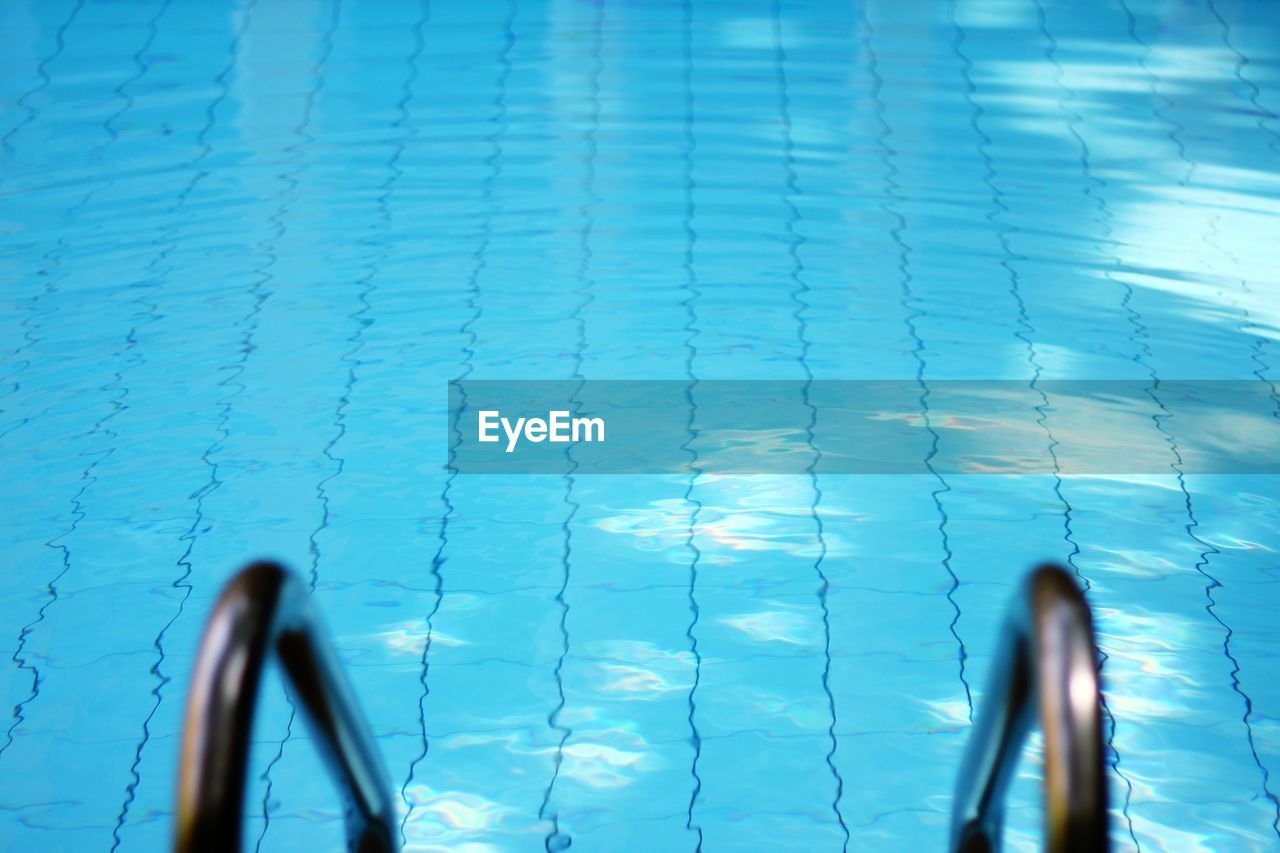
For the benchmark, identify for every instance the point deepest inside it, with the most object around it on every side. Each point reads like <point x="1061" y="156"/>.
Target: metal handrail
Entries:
<point x="1047" y="661"/>
<point x="266" y="609"/>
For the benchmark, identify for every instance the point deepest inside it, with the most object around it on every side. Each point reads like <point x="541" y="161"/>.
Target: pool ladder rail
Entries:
<point x="265" y="610"/>
<point x="1046" y="665"/>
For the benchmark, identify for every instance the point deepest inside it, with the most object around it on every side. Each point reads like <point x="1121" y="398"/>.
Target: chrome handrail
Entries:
<point x="265" y="609"/>
<point x="1046" y="661"/>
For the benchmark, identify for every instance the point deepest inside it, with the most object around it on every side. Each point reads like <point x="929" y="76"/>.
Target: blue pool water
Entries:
<point x="246" y="245"/>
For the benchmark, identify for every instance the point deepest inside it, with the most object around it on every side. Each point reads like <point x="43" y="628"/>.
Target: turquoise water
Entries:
<point x="246" y="246"/>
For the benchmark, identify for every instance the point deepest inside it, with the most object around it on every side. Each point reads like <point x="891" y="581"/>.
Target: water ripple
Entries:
<point x="799" y="296"/>
<point x="493" y="163"/>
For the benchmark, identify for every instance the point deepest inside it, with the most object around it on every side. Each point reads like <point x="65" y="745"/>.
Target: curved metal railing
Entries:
<point x="1047" y="663"/>
<point x="265" y="609"/>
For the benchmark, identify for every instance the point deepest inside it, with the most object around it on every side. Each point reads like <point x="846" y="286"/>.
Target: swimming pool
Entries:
<point x="246" y="247"/>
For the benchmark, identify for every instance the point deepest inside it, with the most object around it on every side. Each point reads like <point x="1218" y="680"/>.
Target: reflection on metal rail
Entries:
<point x="265" y="609"/>
<point x="1046" y="663"/>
